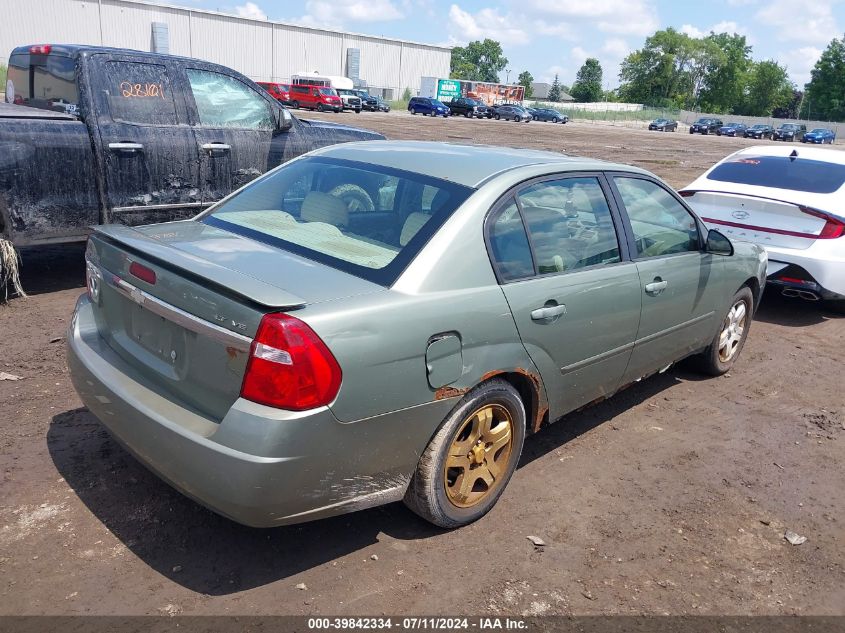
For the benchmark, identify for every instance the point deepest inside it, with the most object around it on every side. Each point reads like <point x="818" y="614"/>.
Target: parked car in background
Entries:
<point x="132" y="137"/>
<point x="705" y="126"/>
<point x="382" y="104"/>
<point x="368" y="102"/>
<point x="663" y="125"/>
<point x="792" y="202"/>
<point x="351" y="100"/>
<point x="760" y="130"/>
<point x="819" y="135"/>
<point x="531" y="111"/>
<point x="280" y="92"/>
<point x="549" y="114"/>
<point x="732" y="129"/>
<point x="469" y="108"/>
<point x="427" y="105"/>
<point x="320" y="98"/>
<point x="285" y="357"/>
<point x="512" y="113"/>
<point x="790" y="132"/>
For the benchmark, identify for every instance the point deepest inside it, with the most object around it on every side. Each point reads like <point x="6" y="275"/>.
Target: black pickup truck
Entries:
<point x="95" y="135"/>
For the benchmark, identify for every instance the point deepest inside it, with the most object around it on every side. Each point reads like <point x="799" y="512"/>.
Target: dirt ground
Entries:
<point x="671" y="498"/>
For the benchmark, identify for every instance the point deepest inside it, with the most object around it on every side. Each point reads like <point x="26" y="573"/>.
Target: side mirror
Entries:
<point x="718" y="244"/>
<point x="284" y="120"/>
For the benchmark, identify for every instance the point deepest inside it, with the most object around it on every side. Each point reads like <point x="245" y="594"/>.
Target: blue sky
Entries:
<point x="555" y="36"/>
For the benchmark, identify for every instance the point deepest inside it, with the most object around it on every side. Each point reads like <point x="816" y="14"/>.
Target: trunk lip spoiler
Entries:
<point x="736" y="194"/>
<point x="176" y="315"/>
<point x="227" y="280"/>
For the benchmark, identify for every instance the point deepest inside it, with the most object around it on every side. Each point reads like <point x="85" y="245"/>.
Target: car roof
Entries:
<point x="468" y="165"/>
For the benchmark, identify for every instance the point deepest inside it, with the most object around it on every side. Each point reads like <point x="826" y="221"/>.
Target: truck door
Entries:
<point x="146" y="142"/>
<point x="233" y="126"/>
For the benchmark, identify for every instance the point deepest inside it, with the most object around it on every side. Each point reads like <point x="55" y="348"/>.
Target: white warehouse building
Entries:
<point x="260" y="49"/>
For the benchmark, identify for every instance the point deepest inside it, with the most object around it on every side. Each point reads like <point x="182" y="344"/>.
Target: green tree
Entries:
<point x="587" y="87"/>
<point x="525" y="79"/>
<point x="792" y="108"/>
<point x="554" y="91"/>
<point x="3" y="76"/>
<point x="726" y="73"/>
<point x="661" y="73"/>
<point x="768" y="88"/>
<point x="478" y="61"/>
<point x="825" y="94"/>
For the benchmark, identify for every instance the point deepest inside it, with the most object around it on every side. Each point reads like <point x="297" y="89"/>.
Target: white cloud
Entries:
<point x="634" y="17"/>
<point x="800" y="63"/>
<point x="692" y="31"/>
<point x="616" y="48"/>
<point x="251" y="10"/>
<point x="813" y="24"/>
<point x="465" y="26"/>
<point x="725" y="26"/>
<point x="578" y="56"/>
<point x="334" y="14"/>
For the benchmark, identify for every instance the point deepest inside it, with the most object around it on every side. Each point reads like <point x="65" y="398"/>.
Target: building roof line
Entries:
<point x="152" y="3"/>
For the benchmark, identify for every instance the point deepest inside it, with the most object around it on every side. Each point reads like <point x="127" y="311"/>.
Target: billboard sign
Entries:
<point x="448" y="89"/>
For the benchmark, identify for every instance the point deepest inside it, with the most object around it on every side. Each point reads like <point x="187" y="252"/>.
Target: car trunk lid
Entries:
<point x="181" y="303"/>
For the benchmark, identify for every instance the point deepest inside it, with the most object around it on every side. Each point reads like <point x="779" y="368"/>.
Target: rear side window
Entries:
<point x="139" y="93"/>
<point x="47" y="82"/>
<point x="364" y="219"/>
<point x="781" y="172"/>
<point x="509" y="247"/>
<point x="223" y="101"/>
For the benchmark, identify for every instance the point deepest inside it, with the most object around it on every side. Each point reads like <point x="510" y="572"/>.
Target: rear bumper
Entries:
<point x="258" y="466"/>
<point x="823" y="262"/>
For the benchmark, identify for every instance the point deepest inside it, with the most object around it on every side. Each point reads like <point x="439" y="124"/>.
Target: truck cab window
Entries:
<point x="223" y="101"/>
<point x="139" y="93"/>
<point x="45" y="81"/>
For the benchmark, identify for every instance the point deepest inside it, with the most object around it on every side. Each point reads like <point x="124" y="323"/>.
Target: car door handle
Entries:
<point x="125" y="146"/>
<point x="211" y="147"/>
<point x="548" y="312"/>
<point x="656" y="287"/>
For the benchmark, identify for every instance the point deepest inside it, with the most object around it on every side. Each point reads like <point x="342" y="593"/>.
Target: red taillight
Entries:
<point x="43" y="49"/>
<point x="143" y="273"/>
<point x="289" y="366"/>
<point x="686" y="194"/>
<point x="833" y="227"/>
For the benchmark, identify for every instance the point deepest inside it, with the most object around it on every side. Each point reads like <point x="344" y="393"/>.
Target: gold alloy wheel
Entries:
<point x="732" y="330"/>
<point x="478" y="456"/>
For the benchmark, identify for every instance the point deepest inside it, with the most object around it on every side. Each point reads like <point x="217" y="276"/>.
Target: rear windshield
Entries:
<point x="360" y="218"/>
<point x="781" y="172"/>
<point x="40" y="81"/>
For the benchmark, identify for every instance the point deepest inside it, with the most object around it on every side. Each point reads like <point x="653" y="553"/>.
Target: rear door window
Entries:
<point x="781" y="172"/>
<point x="224" y="101"/>
<point x="139" y="93"/>
<point x="569" y="224"/>
<point x="41" y="81"/>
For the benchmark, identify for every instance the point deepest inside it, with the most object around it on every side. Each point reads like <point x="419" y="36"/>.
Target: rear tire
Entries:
<point x="498" y="117"/>
<point x="294" y="105"/>
<point x="469" y="461"/>
<point x="726" y="346"/>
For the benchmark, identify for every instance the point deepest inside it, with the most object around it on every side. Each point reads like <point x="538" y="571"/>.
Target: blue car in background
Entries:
<point x="732" y="129"/>
<point x="427" y="105"/>
<point x="820" y="135"/>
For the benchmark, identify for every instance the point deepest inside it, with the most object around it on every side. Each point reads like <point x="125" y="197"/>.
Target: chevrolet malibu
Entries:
<point x="386" y="321"/>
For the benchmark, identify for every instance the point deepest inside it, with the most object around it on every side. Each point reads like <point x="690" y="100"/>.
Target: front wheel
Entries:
<point x="469" y="461"/>
<point x="294" y="105"/>
<point x="414" y="112"/>
<point x="498" y="116"/>
<point x="729" y="341"/>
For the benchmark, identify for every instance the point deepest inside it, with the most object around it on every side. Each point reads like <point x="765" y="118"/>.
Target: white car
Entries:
<point x="790" y="201"/>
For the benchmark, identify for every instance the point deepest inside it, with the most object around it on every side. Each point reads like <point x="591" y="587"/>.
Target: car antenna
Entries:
<point x="793" y="155"/>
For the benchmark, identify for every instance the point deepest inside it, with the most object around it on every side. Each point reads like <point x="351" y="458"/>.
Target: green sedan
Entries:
<point x="385" y="321"/>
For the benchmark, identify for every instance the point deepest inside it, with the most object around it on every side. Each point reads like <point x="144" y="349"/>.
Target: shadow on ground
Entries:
<point x="216" y="556"/>
<point x="792" y="312"/>
<point x="52" y="268"/>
